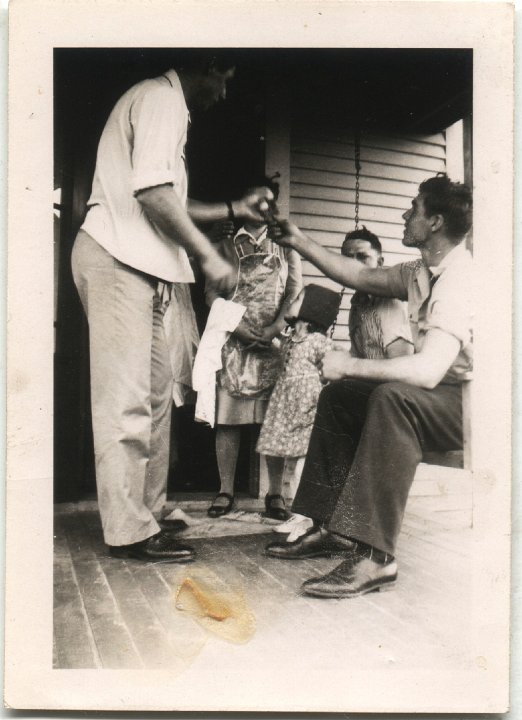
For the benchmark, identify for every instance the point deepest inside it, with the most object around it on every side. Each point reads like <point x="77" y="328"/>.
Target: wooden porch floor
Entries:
<point x="120" y="614"/>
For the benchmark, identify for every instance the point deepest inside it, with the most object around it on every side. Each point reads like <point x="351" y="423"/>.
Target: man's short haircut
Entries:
<point x="202" y="60"/>
<point x="452" y="200"/>
<point x="363" y="234"/>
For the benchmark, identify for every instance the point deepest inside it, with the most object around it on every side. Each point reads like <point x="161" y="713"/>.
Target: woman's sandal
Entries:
<point x="215" y="511"/>
<point x="273" y="508"/>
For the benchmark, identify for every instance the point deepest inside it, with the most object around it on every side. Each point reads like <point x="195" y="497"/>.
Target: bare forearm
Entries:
<point x="280" y="321"/>
<point x="343" y="270"/>
<point x="162" y="206"/>
<point x="410" y="369"/>
<point x="201" y="212"/>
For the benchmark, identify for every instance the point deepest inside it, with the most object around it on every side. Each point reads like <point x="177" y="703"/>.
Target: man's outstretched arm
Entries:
<point x="424" y="369"/>
<point x="343" y="270"/>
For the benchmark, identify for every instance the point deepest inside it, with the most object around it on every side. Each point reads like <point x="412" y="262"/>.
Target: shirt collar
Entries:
<point x="173" y="77"/>
<point x="252" y="239"/>
<point x="459" y="251"/>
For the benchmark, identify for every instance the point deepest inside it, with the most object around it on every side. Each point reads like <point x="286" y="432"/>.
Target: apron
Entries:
<point x="253" y="372"/>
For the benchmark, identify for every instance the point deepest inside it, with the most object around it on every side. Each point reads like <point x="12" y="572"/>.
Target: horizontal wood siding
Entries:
<point x="322" y="191"/>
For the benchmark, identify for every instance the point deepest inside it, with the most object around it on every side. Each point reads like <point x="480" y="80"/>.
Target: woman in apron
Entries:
<point x="268" y="280"/>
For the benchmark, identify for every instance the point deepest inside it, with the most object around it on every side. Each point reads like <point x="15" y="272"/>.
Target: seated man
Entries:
<point x="379" y="326"/>
<point x="376" y="417"/>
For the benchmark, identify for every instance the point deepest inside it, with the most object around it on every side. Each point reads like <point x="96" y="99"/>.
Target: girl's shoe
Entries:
<point x="295" y="521"/>
<point x="275" y="508"/>
<point x="215" y="511"/>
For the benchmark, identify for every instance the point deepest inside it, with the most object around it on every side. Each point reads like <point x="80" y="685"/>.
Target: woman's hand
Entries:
<point x="268" y="333"/>
<point x="222" y="230"/>
<point x="248" y="334"/>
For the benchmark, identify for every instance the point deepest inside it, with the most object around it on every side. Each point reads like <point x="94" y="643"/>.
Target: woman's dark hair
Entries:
<point x="452" y="200"/>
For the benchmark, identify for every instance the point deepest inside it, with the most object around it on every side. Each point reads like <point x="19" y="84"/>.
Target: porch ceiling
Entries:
<point x="401" y="90"/>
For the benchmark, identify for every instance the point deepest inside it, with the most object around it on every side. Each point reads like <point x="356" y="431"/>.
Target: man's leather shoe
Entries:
<point x="158" y="547"/>
<point x="315" y="542"/>
<point x="355" y="576"/>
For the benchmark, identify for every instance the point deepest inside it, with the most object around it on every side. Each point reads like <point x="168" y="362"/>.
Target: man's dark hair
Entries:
<point x="363" y="234"/>
<point x="452" y="200"/>
<point x="202" y="60"/>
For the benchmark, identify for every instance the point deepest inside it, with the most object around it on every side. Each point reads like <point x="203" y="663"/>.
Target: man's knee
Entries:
<point x="390" y="393"/>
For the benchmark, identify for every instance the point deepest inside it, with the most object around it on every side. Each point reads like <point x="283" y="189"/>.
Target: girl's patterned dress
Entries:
<point x="291" y="410"/>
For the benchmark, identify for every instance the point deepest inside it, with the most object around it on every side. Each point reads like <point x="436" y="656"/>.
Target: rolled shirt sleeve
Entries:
<point x="394" y="322"/>
<point x="399" y="279"/>
<point x="158" y="137"/>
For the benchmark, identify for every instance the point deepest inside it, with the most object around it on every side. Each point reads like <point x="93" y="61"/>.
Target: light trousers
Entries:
<point x="131" y="390"/>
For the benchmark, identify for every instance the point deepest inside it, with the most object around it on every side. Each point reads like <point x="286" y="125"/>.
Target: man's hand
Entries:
<point x="336" y="365"/>
<point x="247" y="334"/>
<point x="220" y="273"/>
<point x="285" y="233"/>
<point x="254" y="205"/>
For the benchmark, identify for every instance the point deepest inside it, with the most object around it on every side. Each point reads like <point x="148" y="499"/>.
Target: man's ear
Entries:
<point x="436" y="221"/>
<point x="380" y="261"/>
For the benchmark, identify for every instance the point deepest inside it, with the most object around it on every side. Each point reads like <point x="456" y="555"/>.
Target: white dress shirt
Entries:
<point x="142" y="146"/>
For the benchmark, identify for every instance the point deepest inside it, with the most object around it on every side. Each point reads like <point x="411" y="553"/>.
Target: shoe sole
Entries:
<point x="383" y="586"/>
<point x="318" y="553"/>
<point x="157" y="558"/>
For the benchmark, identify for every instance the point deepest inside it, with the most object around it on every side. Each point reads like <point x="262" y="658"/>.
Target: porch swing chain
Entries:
<point x="357" y="148"/>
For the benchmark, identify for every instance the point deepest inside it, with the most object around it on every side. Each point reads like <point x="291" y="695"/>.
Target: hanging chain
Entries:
<point x="357" y="147"/>
<point x="334" y="324"/>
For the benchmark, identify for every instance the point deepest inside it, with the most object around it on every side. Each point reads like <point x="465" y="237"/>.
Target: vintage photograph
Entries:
<point x="265" y="475"/>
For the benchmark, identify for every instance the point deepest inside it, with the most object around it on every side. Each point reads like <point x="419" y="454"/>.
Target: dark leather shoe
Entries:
<point x="215" y="511"/>
<point x="314" y="543"/>
<point x="355" y="576"/>
<point x="158" y="547"/>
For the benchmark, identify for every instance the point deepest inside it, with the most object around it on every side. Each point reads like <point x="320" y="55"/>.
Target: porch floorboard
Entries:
<point x="112" y="613"/>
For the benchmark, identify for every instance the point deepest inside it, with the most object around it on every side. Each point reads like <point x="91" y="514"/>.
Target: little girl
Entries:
<point x="290" y="414"/>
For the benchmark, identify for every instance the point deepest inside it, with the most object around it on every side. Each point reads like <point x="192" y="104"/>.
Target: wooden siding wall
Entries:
<point x="322" y="191"/>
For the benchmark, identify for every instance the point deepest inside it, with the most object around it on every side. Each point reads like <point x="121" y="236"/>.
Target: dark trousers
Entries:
<point x="367" y="441"/>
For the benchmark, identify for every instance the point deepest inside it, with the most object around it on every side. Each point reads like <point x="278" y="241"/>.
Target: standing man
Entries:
<point x="376" y="417"/>
<point x="135" y="241"/>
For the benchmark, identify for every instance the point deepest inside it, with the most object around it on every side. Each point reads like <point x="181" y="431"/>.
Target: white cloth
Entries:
<point x="182" y="335"/>
<point x="224" y="317"/>
<point x="142" y="146"/>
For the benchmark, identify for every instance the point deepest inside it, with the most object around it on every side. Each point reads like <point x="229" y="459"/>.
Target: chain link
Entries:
<point x="357" y="147"/>
<point x="334" y="324"/>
